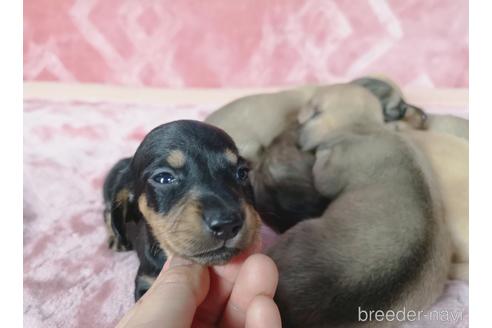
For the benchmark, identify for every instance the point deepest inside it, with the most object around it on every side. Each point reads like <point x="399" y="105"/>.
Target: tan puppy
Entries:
<point x="281" y="175"/>
<point x="448" y="156"/>
<point x="444" y="124"/>
<point x="335" y="107"/>
<point x="406" y="116"/>
<point x="397" y="111"/>
<point x="243" y="119"/>
<point x="381" y="244"/>
<point x="254" y="121"/>
<point x="449" y="160"/>
<point x="445" y="144"/>
<point x="448" y="124"/>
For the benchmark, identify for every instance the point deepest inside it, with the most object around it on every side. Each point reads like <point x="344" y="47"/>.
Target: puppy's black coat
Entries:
<point x="186" y="192"/>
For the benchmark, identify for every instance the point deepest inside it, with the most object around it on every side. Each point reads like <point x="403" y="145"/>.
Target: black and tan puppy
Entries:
<point x="186" y="192"/>
<point x="380" y="245"/>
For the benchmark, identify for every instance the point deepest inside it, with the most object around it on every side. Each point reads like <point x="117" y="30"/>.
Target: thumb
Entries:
<point x="173" y="298"/>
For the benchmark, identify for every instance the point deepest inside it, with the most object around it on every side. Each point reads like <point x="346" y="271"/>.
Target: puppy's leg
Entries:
<point x="118" y="226"/>
<point x="114" y="221"/>
<point x="112" y="240"/>
<point x="143" y="281"/>
<point x="315" y="287"/>
<point x="448" y="124"/>
<point x="328" y="184"/>
<point x="398" y="126"/>
<point x="329" y="174"/>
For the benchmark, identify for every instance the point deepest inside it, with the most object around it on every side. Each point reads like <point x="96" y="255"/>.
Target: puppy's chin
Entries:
<point x="223" y="252"/>
<point x="216" y="257"/>
<point x="215" y="252"/>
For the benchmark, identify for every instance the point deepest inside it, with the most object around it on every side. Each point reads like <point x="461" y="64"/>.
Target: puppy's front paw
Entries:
<point x="113" y="241"/>
<point x="327" y="172"/>
<point x="397" y="126"/>
<point x="308" y="139"/>
<point x="143" y="283"/>
<point x="116" y="245"/>
<point x="316" y="131"/>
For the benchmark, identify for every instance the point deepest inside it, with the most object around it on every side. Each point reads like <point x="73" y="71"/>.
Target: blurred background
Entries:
<point x="219" y="43"/>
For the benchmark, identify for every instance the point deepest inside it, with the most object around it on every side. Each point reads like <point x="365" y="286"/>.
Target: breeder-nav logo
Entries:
<point x="408" y="315"/>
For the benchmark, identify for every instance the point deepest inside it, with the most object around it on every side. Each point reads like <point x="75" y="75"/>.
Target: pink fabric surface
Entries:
<point x="194" y="43"/>
<point x="71" y="279"/>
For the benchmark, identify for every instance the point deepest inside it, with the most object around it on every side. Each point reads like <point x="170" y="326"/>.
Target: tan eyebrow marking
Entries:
<point x="231" y="157"/>
<point x="176" y="158"/>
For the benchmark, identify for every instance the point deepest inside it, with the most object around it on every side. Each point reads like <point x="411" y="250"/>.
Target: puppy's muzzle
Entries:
<point x="223" y="224"/>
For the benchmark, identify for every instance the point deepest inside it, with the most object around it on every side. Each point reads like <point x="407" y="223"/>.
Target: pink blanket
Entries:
<point x="71" y="279"/>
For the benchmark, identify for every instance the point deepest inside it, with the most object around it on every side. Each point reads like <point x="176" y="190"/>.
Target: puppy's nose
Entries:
<point x="224" y="228"/>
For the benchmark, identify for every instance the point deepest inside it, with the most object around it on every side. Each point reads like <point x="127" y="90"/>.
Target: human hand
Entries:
<point x="185" y="294"/>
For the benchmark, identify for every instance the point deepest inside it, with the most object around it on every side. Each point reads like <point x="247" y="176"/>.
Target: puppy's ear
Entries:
<point x="119" y="204"/>
<point x="416" y="117"/>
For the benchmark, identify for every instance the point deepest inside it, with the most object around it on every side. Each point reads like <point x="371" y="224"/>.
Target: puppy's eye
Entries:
<point x="164" y="178"/>
<point x="242" y="174"/>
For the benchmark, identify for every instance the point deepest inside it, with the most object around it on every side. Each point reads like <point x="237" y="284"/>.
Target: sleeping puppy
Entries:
<point x="448" y="124"/>
<point x="437" y="123"/>
<point x="186" y="192"/>
<point x="334" y="107"/>
<point x="282" y="181"/>
<point x="395" y="108"/>
<point x="282" y="174"/>
<point x="254" y="121"/>
<point x="448" y="156"/>
<point x="445" y="144"/>
<point x="404" y="116"/>
<point x="380" y="245"/>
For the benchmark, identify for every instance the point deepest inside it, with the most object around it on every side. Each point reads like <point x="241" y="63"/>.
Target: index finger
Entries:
<point x="258" y="276"/>
<point x="222" y="279"/>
